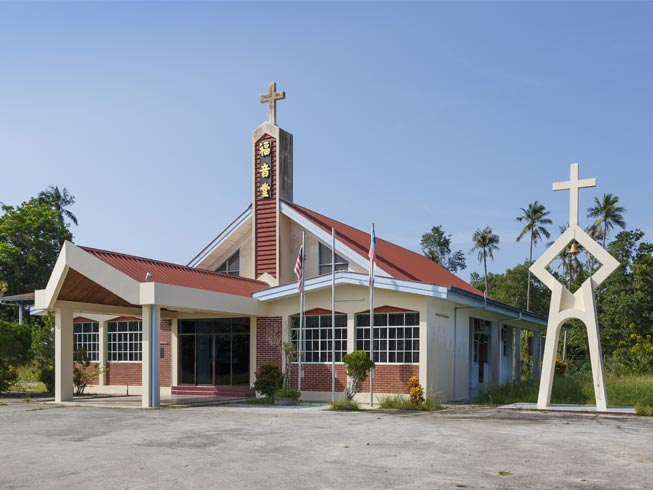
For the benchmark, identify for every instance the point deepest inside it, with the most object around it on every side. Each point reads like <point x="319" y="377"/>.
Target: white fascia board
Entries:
<point x="168" y="295"/>
<point x="324" y="236"/>
<point x="73" y="257"/>
<point x="354" y="278"/>
<point x="222" y="237"/>
<point x="511" y="312"/>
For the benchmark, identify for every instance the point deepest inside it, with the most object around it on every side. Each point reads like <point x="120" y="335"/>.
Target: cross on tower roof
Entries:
<point x="271" y="98"/>
<point x="573" y="184"/>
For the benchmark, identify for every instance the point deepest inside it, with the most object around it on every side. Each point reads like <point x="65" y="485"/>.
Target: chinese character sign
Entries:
<point x="264" y="152"/>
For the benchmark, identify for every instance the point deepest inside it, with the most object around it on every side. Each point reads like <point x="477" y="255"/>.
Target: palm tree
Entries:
<point x="59" y="201"/>
<point x="607" y="213"/>
<point x="486" y="243"/>
<point x="535" y="218"/>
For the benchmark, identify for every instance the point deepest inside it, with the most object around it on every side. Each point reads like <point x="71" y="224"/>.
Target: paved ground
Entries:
<point x="42" y="446"/>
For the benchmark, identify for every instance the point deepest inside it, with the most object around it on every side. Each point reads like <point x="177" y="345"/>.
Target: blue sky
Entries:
<point x="408" y="115"/>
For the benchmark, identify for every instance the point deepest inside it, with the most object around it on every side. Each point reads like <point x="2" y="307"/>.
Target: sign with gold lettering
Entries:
<point x="264" y="151"/>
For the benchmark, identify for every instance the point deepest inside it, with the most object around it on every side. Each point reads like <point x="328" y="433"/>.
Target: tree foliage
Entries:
<point x="358" y="365"/>
<point x="607" y="214"/>
<point x="15" y="343"/>
<point x="31" y="236"/>
<point x="511" y="287"/>
<point x="436" y="245"/>
<point x="43" y="349"/>
<point x="59" y="200"/>
<point x="485" y="243"/>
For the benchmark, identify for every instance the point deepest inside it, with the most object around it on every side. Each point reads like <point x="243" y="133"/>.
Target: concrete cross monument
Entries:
<point x="566" y="305"/>
<point x="271" y="99"/>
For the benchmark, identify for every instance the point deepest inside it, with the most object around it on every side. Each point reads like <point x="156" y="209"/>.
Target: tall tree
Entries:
<point x="31" y="236"/>
<point x="534" y="217"/>
<point x="437" y="247"/>
<point x="59" y="200"/>
<point x="485" y="242"/>
<point x="607" y="213"/>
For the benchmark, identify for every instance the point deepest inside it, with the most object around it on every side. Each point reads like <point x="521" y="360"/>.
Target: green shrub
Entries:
<point x="398" y="402"/>
<point x="287" y="393"/>
<point x="15" y="343"/>
<point x="358" y="365"/>
<point x="269" y="379"/>
<point x="83" y="371"/>
<point x="263" y="400"/>
<point x="43" y="349"/>
<point x="345" y="405"/>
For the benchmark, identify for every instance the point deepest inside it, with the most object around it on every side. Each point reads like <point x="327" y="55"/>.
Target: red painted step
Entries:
<point x="235" y="391"/>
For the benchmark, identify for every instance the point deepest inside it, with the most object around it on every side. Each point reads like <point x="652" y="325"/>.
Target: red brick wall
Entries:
<point x="123" y="373"/>
<point x="389" y="378"/>
<point x="265" y="215"/>
<point x="317" y="377"/>
<point x="267" y="328"/>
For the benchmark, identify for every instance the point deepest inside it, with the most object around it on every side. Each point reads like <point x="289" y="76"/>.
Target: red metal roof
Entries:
<point x="18" y="297"/>
<point x="178" y="275"/>
<point x="400" y="262"/>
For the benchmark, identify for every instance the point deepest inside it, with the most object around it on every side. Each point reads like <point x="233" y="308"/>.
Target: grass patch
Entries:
<point x="264" y="400"/>
<point x="345" y="406"/>
<point x="504" y="473"/>
<point x="2" y="404"/>
<point x="577" y="389"/>
<point x="644" y="410"/>
<point x="398" y="402"/>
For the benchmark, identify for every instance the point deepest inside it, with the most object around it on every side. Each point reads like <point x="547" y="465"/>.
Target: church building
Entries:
<point x="206" y="327"/>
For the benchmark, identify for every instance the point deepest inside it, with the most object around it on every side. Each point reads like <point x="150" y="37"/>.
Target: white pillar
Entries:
<point x="174" y="339"/>
<point x="146" y="353"/>
<point x="150" y="384"/>
<point x="63" y="349"/>
<point x="495" y="353"/>
<point x="102" y="352"/>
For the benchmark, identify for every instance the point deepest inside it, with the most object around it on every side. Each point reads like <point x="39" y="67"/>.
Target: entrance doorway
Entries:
<point x="214" y="352"/>
<point x="480" y="331"/>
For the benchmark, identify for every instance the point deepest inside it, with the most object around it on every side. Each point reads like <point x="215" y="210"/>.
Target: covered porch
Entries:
<point x="95" y="282"/>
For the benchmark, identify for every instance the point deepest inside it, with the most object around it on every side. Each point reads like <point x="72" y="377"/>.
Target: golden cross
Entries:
<point x="573" y="184"/>
<point x="271" y="98"/>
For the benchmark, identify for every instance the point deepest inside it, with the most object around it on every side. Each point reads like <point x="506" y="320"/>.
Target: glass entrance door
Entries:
<point x="214" y="352"/>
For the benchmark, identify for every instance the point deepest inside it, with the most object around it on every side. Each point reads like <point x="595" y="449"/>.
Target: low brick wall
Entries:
<point x="124" y="373"/>
<point x="317" y="377"/>
<point x="391" y="378"/>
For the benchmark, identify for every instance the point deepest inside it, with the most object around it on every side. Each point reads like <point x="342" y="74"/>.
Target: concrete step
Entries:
<point x="235" y="391"/>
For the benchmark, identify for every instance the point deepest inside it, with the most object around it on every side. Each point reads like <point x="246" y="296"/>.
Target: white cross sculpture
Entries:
<point x="565" y="304"/>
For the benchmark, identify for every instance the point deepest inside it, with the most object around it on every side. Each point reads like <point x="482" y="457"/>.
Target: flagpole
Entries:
<point x="333" y="314"/>
<point x="372" y="321"/>
<point x="301" y="345"/>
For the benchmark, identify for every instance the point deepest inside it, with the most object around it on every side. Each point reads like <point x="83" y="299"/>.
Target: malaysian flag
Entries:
<point x="299" y="269"/>
<point x="372" y="256"/>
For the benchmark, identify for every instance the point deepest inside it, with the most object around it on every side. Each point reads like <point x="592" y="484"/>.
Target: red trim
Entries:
<point x="125" y="319"/>
<point x="83" y="319"/>
<point x="318" y="311"/>
<point x="387" y="309"/>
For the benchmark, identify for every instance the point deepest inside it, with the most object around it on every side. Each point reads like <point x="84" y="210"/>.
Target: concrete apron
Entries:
<point x="570" y="409"/>
<point x="134" y="401"/>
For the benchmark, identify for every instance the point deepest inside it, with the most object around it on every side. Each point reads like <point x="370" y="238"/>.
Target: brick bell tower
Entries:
<point x="273" y="180"/>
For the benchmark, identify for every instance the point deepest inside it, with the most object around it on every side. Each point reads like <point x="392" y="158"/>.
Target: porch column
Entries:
<point x="63" y="354"/>
<point x="102" y="352"/>
<point x="517" y="348"/>
<point x="150" y="385"/>
<point x="537" y="354"/>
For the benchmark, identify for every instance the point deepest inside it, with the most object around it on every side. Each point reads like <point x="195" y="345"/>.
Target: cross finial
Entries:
<point x="573" y="184"/>
<point x="271" y="98"/>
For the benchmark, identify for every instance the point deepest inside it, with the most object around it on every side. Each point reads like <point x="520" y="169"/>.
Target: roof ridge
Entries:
<point x="171" y="264"/>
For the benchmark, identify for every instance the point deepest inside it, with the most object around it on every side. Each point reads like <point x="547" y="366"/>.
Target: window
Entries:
<point x="86" y="336"/>
<point x="505" y="339"/>
<point x="325" y="261"/>
<point x="481" y="339"/>
<point x="231" y="265"/>
<point x="396" y="337"/>
<point x="124" y="341"/>
<point x="317" y="336"/>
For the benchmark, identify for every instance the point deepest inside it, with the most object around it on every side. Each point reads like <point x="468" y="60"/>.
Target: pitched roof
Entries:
<point x="400" y="262"/>
<point x="177" y="275"/>
<point x="18" y="297"/>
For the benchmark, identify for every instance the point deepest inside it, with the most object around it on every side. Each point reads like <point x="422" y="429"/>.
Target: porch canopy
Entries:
<point x="86" y="280"/>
